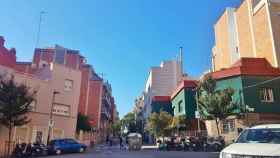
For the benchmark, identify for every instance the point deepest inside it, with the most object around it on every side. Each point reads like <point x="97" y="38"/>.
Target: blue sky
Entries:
<point x="120" y="38"/>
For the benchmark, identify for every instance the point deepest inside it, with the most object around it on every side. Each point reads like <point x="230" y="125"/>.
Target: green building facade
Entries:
<point x="162" y="103"/>
<point x="183" y="100"/>
<point x="260" y="93"/>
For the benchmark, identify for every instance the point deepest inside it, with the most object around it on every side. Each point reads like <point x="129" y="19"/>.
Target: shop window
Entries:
<point x="68" y="85"/>
<point x="266" y="95"/>
<point x="228" y="126"/>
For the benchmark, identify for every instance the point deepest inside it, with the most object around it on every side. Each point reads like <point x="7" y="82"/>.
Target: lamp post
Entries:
<point x="51" y="123"/>
<point x="197" y="111"/>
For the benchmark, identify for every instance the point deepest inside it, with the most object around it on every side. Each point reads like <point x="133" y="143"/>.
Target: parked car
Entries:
<point x="59" y="146"/>
<point x="257" y="141"/>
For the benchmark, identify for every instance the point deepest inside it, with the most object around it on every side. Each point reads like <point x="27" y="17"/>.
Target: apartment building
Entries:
<point x="250" y="30"/>
<point x="52" y="81"/>
<point x="162" y="81"/>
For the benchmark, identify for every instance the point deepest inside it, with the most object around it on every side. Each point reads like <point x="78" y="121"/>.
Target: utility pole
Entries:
<point x="197" y="111"/>
<point x="51" y="122"/>
<point x="39" y="28"/>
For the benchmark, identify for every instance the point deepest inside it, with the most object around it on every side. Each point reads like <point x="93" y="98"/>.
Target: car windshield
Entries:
<point x="271" y="136"/>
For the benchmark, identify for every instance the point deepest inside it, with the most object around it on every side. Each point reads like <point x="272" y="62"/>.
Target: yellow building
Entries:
<point x="251" y="30"/>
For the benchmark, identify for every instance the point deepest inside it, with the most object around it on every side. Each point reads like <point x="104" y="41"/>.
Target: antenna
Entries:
<point x="39" y="28"/>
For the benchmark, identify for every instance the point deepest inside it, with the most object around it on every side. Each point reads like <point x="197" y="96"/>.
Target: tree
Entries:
<point x="83" y="123"/>
<point x="181" y="122"/>
<point x="160" y="124"/>
<point x="214" y="104"/>
<point x="129" y="122"/>
<point x="15" y="104"/>
<point x="116" y="127"/>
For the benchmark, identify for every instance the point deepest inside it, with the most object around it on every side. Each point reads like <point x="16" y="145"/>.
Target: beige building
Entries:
<point x="44" y="80"/>
<point x="65" y="107"/>
<point x="251" y="30"/>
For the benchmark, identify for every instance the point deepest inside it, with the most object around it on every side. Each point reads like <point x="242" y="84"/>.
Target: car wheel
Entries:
<point x="82" y="150"/>
<point x="58" y="152"/>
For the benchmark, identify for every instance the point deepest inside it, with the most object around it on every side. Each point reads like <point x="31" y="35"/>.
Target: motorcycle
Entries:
<point x="24" y="150"/>
<point x="214" y="144"/>
<point x="196" y="144"/>
<point x="39" y="150"/>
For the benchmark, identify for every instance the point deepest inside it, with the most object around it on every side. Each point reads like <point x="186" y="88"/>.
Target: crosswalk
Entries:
<point x="107" y="149"/>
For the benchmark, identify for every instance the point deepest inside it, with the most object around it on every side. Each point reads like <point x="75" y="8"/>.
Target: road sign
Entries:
<point x="197" y="115"/>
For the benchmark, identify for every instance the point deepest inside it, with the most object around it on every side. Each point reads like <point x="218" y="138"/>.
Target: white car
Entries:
<point x="261" y="141"/>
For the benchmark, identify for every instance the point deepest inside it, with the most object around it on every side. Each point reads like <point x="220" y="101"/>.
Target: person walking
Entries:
<point x="121" y="142"/>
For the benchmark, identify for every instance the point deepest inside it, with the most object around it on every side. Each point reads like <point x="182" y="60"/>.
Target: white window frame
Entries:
<point x="58" y="111"/>
<point x="68" y="88"/>
<point x="267" y="95"/>
<point x="228" y="126"/>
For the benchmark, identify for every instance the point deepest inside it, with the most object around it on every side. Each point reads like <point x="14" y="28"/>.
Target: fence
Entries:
<point x="194" y="133"/>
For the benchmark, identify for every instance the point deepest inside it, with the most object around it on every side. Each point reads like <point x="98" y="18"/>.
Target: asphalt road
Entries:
<point x="107" y="152"/>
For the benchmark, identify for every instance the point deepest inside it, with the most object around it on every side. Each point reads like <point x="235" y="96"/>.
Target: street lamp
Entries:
<point x="51" y="123"/>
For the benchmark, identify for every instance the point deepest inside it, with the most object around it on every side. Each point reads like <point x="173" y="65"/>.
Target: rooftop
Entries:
<point x="184" y="84"/>
<point x="248" y="66"/>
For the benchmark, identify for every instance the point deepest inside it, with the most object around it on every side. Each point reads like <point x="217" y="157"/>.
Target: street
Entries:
<point x="115" y="152"/>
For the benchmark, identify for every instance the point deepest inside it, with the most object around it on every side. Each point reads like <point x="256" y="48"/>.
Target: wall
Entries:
<point x="187" y="97"/>
<point x="243" y="17"/>
<point x="263" y="38"/>
<point x="274" y="9"/>
<point x="166" y="106"/>
<point x="252" y="96"/>
<point x="222" y="43"/>
<point x="64" y="126"/>
<point x="95" y="96"/>
<point x="161" y="82"/>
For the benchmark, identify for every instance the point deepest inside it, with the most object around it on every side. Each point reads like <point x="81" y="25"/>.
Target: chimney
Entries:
<point x="2" y="41"/>
<point x="13" y="51"/>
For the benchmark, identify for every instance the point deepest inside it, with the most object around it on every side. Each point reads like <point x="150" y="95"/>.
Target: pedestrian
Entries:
<point x="107" y="139"/>
<point x="121" y="142"/>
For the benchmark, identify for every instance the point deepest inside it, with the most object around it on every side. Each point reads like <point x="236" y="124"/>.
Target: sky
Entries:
<point x="121" y="39"/>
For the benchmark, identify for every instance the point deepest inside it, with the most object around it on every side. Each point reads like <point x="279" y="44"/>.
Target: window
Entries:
<point x="33" y="105"/>
<point x="255" y="3"/>
<point x="68" y="85"/>
<point x="266" y="95"/>
<point x="228" y="126"/>
<point x="180" y="106"/>
<point x="236" y="50"/>
<point x="61" y="110"/>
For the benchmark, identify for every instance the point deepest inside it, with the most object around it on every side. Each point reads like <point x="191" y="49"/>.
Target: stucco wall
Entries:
<point x="187" y="97"/>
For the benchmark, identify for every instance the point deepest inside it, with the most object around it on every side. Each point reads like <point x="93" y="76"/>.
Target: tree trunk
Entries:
<point x="9" y="142"/>
<point x="217" y="125"/>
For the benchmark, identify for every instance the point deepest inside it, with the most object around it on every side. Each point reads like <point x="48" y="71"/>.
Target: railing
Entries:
<point x="194" y="133"/>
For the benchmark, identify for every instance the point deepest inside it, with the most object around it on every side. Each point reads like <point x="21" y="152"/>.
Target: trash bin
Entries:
<point x="134" y="141"/>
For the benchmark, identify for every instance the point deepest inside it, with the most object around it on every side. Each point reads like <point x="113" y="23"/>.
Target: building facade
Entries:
<point x="256" y="85"/>
<point x="162" y="81"/>
<point x="162" y="103"/>
<point x="250" y="30"/>
<point x="45" y="77"/>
